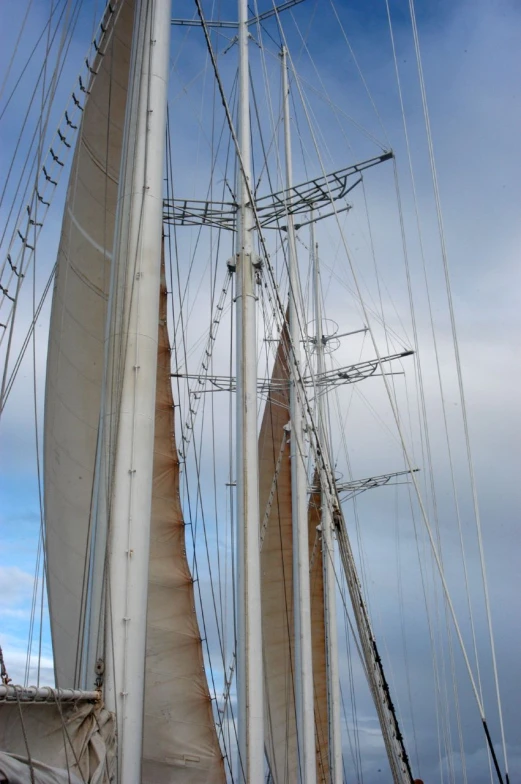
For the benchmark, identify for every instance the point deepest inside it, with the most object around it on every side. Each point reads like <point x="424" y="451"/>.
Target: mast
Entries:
<point x="333" y="678"/>
<point x="301" y="590"/>
<point x="250" y="681"/>
<point x="137" y="260"/>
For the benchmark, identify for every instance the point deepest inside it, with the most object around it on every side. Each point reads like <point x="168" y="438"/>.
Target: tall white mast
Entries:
<point x="250" y="683"/>
<point x="137" y="258"/>
<point x="301" y="590"/>
<point x="333" y="680"/>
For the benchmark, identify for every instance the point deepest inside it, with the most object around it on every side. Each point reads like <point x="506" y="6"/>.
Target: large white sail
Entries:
<point x="179" y="730"/>
<point x="277" y="589"/>
<point x="76" y="341"/>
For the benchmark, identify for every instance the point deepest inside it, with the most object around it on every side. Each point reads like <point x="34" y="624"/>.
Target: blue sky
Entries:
<point x="472" y="71"/>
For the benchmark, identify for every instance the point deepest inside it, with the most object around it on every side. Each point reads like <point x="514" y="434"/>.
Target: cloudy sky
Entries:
<point x="472" y="74"/>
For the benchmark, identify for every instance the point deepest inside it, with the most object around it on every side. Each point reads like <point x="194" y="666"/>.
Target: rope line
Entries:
<point x="448" y="287"/>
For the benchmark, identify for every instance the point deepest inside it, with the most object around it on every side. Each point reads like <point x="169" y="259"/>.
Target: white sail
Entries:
<point x="76" y="342"/>
<point x="180" y="740"/>
<point x="179" y="732"/>
<point x="277" y="589"/>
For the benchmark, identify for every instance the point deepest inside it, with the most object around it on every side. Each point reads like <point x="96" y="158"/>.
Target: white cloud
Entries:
<point x="15" y="657"/>
<point x="16" y="592"/>
<point x="16" y="586"/>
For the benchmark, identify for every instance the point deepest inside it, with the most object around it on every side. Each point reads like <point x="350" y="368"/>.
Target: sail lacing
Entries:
<point x="44" y="173"/>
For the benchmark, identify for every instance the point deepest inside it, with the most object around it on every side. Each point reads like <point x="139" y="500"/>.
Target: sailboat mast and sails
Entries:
<point x="146" y="608"/>
<point x="127" y="645"/>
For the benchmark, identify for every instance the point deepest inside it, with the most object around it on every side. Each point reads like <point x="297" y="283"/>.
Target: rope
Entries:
<point x="459" y="372"/>
<point x="419" y="370"/>
<point x="397" y="753"/>
<point x="196" y="509"/>
<point x="427" y="445"/>
<point x="15" y="49"/>
<point x="42" y="127"/>
<point x="47" y="176"/>
<point x="24" y="733"/>
<point x="402" y="626"/>
<point x="346" y="39"/>
<point x="402" y="440"/>
<point x="67" y="737"/>
<point x="27" y="251"/>
<point x="49" y="169"/>
<point x="422" y="507"/>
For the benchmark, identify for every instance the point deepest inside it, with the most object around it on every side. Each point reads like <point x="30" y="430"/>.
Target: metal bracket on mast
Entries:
<point x="193" y="212"/>
<point x="351" y="373"/>
<point x="347" y="490"/>
<point x="254" y="19"/>
<point x="325" y="339"/>
<point x="346" y="375"/>
<point x="315" y="194"/>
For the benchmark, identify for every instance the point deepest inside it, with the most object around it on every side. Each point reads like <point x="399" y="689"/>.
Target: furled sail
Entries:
<point x="316" y="582"/>
<point x="180" y="740"/>
<point x="56" y="744"/>
<point x="76" y="340"/>
<point x="277" y="588"/>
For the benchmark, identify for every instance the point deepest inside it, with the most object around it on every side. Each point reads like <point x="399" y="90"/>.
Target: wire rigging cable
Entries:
<point x="435" y="343"/>
<point x="405" y="448"/>
<point x="212" y="558"/>
<point x="477" y="514"/>
<point x="23" y="225"/>
<point x="199" y="515"/>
